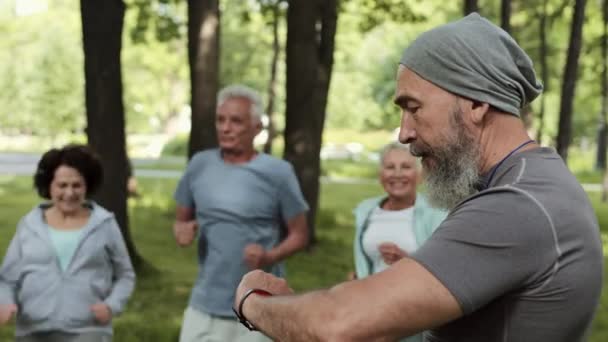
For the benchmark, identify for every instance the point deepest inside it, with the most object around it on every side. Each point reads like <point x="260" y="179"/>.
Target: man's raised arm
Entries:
<point x="400" y="301"/>
<point x="184" y="226"/>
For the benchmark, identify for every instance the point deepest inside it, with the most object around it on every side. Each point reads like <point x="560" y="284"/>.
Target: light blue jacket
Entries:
<point x="52" y="299"/>
<point x="426" y="220"/>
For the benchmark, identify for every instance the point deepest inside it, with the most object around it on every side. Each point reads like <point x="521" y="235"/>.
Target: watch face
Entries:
<point x="239" y="312"/>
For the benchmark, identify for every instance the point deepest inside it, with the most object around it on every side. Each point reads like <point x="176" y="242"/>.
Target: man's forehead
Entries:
<point x="411" y="86"/>
<point x="237" y="101"/>
<point x="409" y="79"/>
<point x="235" y="106"/>
<point x="406" y="84"/>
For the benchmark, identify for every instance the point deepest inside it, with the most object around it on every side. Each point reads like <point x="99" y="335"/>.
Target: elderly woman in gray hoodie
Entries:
<point x="67" y="271"/>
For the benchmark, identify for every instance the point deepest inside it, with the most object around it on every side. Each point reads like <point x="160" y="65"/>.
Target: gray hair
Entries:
<point x="239" y="90"/>
<point x="396" y="146"/>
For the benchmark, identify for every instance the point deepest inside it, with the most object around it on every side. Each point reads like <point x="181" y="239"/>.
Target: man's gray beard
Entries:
<point x="455" y="170"/>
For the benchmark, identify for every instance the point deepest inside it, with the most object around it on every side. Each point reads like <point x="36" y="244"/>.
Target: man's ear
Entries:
<point x="478" y="111"/>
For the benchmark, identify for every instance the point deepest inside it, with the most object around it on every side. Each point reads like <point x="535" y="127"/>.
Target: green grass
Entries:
<point x="172" y="164"/>
<point x="154" y="312"/>
<point x="333" y="168"/>
<point x="599" y="331"/>
<point x="581" y="163"/>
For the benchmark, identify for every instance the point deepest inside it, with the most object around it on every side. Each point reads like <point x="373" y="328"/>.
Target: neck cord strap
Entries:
<point x="505" y="158"/>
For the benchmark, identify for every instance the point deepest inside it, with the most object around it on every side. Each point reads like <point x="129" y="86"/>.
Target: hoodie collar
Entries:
<point x="35" y="218"/>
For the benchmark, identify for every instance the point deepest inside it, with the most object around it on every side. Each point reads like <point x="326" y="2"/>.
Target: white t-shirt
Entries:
<point x="394" y="226"/>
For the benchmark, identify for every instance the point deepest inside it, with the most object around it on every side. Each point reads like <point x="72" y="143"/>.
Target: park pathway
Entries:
<point x="24" y="164"/>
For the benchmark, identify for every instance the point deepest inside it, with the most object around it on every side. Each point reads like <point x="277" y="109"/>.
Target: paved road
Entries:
<point x="25" y="164"/>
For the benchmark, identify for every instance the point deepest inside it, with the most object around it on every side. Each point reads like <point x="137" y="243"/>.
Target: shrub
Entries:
<point x="177" y="146"/>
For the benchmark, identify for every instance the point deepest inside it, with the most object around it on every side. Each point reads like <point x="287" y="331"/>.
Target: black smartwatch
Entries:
<point x="239" y="311"/>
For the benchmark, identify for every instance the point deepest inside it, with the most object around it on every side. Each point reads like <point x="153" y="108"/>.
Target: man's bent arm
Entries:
<point x="297" y="239"/>
<point x="183" y="214"/>
<point x="184" y="226"/>
<point x="403" y="300"/>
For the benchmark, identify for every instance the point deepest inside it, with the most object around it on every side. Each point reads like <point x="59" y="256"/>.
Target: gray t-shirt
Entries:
<point x="522" y="257"/>
<point x="235" y="205"/>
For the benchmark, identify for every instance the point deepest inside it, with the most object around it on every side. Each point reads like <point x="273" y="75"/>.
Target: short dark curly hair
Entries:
<point x="79" y="157"/>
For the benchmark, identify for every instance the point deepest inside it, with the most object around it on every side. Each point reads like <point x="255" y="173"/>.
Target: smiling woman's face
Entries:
<point x="399" y="174"/>
<point x="68" y="189"/>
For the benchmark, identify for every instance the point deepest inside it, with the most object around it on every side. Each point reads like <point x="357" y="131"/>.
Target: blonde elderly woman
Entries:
<point x="391" y="226"/>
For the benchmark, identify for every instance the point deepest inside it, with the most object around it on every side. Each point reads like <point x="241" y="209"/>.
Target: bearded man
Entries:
<point x="519" y="257"/>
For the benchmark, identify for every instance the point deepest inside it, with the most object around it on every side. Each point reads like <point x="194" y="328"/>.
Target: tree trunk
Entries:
<point x="505" y="15"/>
<point x="544" y="73"/>
<point x="273" y="78"/>
<point x="203" y="57"/>
<point x="470" y="6"/>
<point x="102" y="23"/>
<point x="564" y="135"/>
<point x="311" y="28"/>
<point x="602" y="138"/>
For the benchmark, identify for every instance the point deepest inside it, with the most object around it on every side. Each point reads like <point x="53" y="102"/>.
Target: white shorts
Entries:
<point x="202" y="327"/>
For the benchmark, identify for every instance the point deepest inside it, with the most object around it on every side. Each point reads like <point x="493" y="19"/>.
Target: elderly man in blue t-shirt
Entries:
<point x="234" y="200"/>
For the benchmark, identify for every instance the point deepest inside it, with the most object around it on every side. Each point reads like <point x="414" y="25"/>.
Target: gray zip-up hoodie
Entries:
<point x="49" y="298"/>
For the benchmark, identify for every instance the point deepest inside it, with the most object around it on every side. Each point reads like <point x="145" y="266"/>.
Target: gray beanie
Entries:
<point x="475" y="59"/>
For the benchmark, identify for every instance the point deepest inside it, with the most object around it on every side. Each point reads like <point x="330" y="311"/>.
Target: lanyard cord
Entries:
<point x="505" y="158"/>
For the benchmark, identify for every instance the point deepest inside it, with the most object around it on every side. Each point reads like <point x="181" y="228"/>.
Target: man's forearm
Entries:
<point x="292" y="244"/>
<point x="290" y="318"/>
<point x="351" y="311"/>
<point x="401" y="301"/>
<point x="184" y="232"/>
<point x="324" y="315"/>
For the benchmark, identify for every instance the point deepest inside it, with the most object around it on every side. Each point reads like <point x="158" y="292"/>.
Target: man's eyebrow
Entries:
<point x="402" y="100"/>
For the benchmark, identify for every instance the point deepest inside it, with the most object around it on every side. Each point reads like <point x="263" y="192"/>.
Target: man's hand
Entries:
<point x="185" y="232"/>
<point x="7" y="311"/>
<point x="391" y="253"/>
<point x="258" y="279"/>
<point x="102" y="312"/>
<point x="256" y="257"/>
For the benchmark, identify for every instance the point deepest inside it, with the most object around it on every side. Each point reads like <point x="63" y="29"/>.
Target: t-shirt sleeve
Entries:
<point x="291" y="199"/>
<point x="488" y="246"/>
<point x="183" y="193"/>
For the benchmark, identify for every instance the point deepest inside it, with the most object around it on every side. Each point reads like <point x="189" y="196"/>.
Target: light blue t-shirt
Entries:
<point x="235" y="205"/>
<point x="65" y="243"/>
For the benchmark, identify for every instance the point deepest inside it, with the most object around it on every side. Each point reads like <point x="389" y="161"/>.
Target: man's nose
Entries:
<point x="407" y="132"/>
<point x="224" y="126"/>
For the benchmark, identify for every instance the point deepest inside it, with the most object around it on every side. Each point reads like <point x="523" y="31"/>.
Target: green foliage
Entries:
<point x="41" y="72"/>
<point x="155" y="57"/>
<point x="154" y="64"/>
<point x="366" y="58"/>
<point x="161" y="20"/>
<point x="376" y="12"/>
<point x="246" y="47"/>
